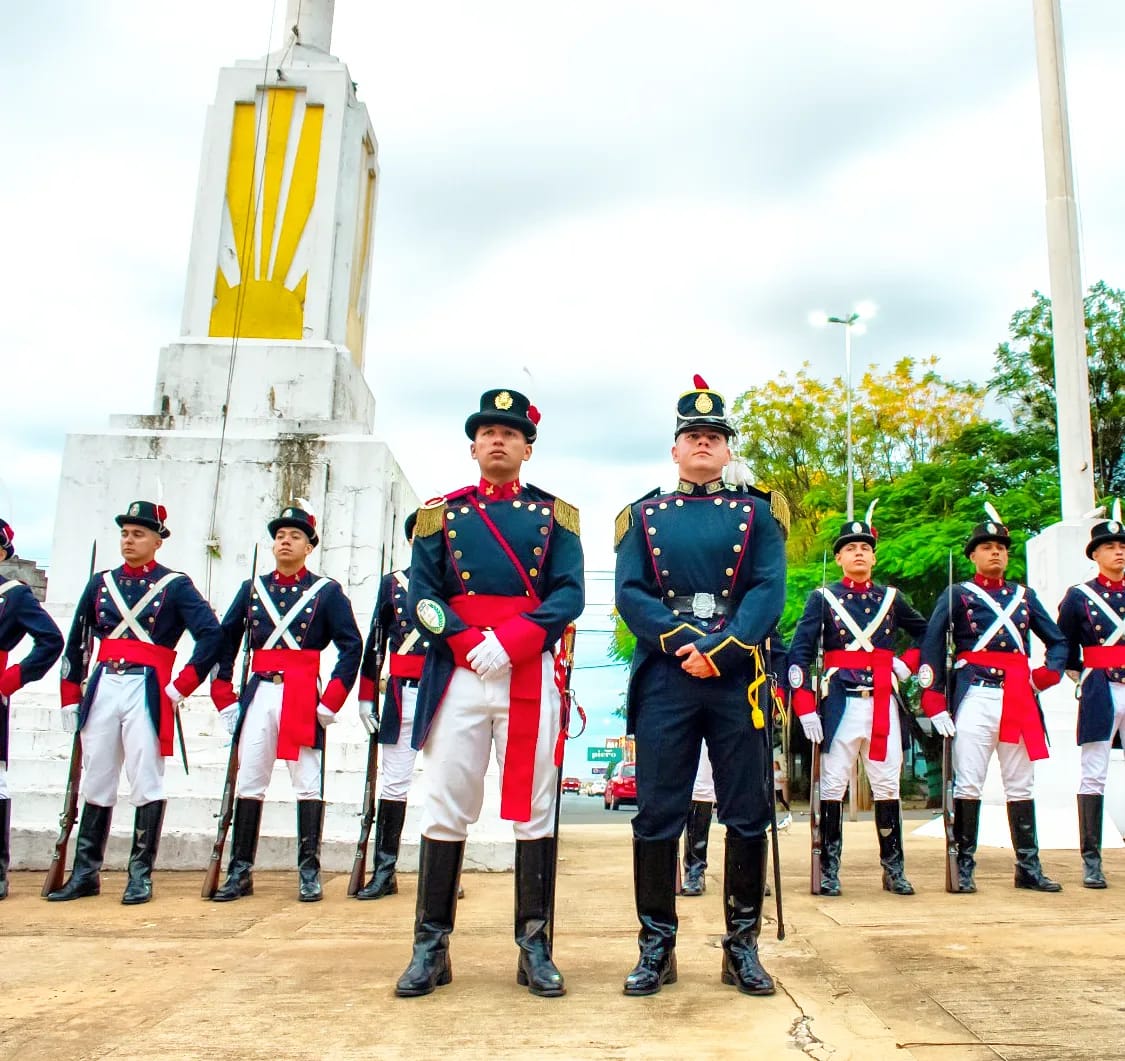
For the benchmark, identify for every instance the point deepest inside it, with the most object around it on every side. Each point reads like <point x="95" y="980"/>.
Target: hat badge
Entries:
<point x="856" y="528"/>
<point x="1114" y="527"/>
<point x="503" y="400"/>
<point x="135" y="509"/>
<point x="990" y="527"/>
<point x="704" y="404"/>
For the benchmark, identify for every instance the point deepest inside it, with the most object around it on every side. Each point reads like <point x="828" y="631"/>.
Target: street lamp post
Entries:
<point x="853" y="322"/>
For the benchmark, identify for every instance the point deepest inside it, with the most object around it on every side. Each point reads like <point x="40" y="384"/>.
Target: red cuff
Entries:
<point x="912" y="657"/>
<point x="335" y="693"/>
<point x="188" y="681"/>
<point x="367" y="690"/>
<point x="804" y="703"/>
<point x="522" y="639"/>
<point x="10" y="681"/>
<point x="933" y="702"/>
<point x="1042" y="678"/>
<point x="222" y="694"/>
<point x="69" y="692"/>
<point x="463" y="643"/>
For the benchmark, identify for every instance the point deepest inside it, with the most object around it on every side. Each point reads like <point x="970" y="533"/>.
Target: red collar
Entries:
<point x="136" y="572"/>
<point x="851" y="583"/>
<point x="499" y="493"/>
<point x="289" y="580"/>
<point x="1110" y="584"/>
<point x="988" y="583"/>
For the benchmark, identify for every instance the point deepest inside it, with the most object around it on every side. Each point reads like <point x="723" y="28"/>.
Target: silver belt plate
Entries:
<point x="703" y="605"/>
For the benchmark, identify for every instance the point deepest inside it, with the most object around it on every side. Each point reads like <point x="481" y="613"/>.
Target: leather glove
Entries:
<point x="1044" y="678"/>
<point x="813" y="729"/>
<point x="901" y="668"/>
<point x="325" y="716"/>
<point x="490" y="658"/>
<point x="943" y="724"/>
<point x="173" y="693"/>
<point x="229" y="715"/>
<point x="70" y="718"/>
<point x="367" y="717"/>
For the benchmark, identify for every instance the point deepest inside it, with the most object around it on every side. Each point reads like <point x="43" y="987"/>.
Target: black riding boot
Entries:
<point x="888" y="824"/>
<point x="966" y="821"/>
<point x="1029" y="871"/>
<point x="243" y="851"/>
<point x="695" y="848"/>
<point x="654" y="886"/>
<point x="389" y="816"/>
<point x="831" y="845"/>
<point x="146" y="839"/>
<point x="439" y="869"/>
<point x="5" y="847"/>
<point x="535" y="885"/>
<point x="89" y="853"/>
<point x="1090" y="835"/>
<point x="744" y="885"/>
<point x="310" y="822"/>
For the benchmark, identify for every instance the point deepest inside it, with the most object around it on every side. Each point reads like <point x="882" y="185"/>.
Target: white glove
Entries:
<point x="367" y="717"/>
<point x="70" y="718"/>
<point x="902" y="671"/>
<point x="229" y="715"/>
<point x="810" y="723"/>
<point x="325" y="716"/>
<point x="173" y="693"/>
<point x="490" y="658"/>
<point x="943" y="723"/>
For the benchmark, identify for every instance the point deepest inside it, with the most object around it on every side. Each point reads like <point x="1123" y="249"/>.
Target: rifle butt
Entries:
<point x="214" y="868"/>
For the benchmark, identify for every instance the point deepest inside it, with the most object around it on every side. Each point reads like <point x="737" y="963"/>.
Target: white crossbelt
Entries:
<point x="130" y="616"/>
<point x="1003" y="616"/>
<point x="10" y="584"/>
<point x="281" y="625"/>
<point x="861" y="638"/>
<point x="1116" y="621"/>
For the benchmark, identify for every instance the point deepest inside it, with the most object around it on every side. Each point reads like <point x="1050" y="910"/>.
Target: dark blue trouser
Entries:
<point x="674" y="713"/>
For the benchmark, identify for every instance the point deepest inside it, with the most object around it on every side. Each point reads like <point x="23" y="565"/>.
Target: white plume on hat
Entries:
<point x="305" y="505"/>
<point x="992" y="514"/>
<point x="870" y="512"/>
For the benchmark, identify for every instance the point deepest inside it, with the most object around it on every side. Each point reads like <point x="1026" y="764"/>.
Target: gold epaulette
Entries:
<point x="779" y="507"/>
<point x="430" y="518"/>
<point x="566" y="515"/>
<point x="622" y="524"/>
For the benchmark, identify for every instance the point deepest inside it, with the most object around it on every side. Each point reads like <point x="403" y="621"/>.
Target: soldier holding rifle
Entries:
<point x="126" y="713"/>
<point x="281" y="714"/>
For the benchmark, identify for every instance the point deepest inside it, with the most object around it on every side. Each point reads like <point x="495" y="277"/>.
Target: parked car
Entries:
<point x="596" y="787"/>
<point x="622" y="787"/>
<point x="571" y="784"/>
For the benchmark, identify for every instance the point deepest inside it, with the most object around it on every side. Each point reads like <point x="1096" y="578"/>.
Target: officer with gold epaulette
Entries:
<point x="20" y="615"/>
<point x="1092" y="617"/>
<point x="496" y="576"/>
<point x="294" y="615"/>
<point x="701" y="582"/>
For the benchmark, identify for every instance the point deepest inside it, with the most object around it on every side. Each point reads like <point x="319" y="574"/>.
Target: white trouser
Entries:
<point x="1095" y="754"/>
<point x="119" y="730"/>
<point x="703" y="791"/>
<point x="3" y="780"/>
<point x="472" y="718"/>
<point x="257" y="750"/>
<point x="978" y="736"/>
<point x="397" y="760"/>
<point x="853" y="739"/>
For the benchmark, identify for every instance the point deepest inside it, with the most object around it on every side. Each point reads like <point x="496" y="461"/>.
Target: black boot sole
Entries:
<point x="554" y="991"/>
<point x="760" y="992"/>
<point x="381" y="893"/>
<point x="136" y="900"/>
<point x="229" y="897"/>
<point x="84" y="893"/>
<point x="668" y="977"/>
<point x="444" y="978"/>
<point x="889" y="887"/>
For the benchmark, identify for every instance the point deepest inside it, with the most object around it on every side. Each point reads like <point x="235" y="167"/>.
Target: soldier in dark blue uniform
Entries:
<point x="991" y="696"/>
<point x="138" y="612"/>
<point x="700" y="582"/>
<point x="856" y="624"/>
<point x="1092" y="617"/>
<point x="495" y="578"/>
<point x="393" y="635"/>
<point x="20" y="615"/>
<point x="281" y="714"/>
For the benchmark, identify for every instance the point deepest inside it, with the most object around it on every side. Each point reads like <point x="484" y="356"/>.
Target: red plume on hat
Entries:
<point x="700" y="382"/>
<point x="533" y="414"/>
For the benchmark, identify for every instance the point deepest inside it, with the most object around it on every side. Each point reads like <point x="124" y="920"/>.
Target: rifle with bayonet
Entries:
<point x="564" y="669"/>
<point x="814" y="773"/>
<point x="771" y="695"/>
<point x="57" y="869"/>
<point x="226" y="806"/>
<point x="947" y="807"/>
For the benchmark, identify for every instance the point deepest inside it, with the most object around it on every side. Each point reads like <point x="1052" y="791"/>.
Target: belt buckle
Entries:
<point x="703" y="605"/>
<point x="277" y="679"/>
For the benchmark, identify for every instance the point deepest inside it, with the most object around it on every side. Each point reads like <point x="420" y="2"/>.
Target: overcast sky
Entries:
<point x="612" y="195"/>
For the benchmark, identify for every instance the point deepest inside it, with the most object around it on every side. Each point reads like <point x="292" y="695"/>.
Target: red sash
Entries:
<point x="1019" y="716"/>
<point x="162" y="660"/>
<point x="1103" y="657"/>
<point x="409" y="666"/>
<point x="524" y="697"/>
<point x="878" y="662"/>
<point x="300" y="669"/>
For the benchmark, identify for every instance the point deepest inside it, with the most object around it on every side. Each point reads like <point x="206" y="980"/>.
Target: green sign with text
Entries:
<point x="603" y="755"/>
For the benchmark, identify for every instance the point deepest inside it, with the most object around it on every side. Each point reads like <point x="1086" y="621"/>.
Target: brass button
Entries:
<point x="730" y="570"/>
<point x="656" y="550"/>
<point x="465" y="575"/>
<point x="737" y="548"/>
<point x="457" y="554"/>
<point x="537" y="551"/>
<point x="533" y="572"/>
<point x="452" y="534"/>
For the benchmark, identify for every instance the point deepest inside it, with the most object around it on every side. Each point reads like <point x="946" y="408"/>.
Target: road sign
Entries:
<point x="603" y="755"/>
<point x="597" y="771"/>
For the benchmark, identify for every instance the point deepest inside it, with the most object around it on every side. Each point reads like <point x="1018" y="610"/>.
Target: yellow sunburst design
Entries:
<point x="272" y="306"/>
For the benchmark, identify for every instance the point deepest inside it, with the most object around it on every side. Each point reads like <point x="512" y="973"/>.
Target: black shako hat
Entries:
<point x="408" y="526"/>
<point x="858" y="530"/>
<point x="702" y="407"/>
<point x="1110" y="530"/>
<point x="295" y="516"/>
<point x="7" y="537"/>
<point x="146" y="514"/>
<point x="506" y="407"/>
<point x="992" y="530"/>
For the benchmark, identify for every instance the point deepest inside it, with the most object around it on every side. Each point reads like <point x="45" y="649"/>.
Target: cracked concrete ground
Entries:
<point x="1002" y="974"/>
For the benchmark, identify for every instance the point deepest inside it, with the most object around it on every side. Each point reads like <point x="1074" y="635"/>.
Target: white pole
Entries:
<point x="313" y="21"/>
<point x="848" y="372"/>
<point x="1072" y="386"/>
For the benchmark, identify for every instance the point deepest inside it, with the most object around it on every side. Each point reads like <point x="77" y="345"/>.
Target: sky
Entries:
<point x="588" y="202"/>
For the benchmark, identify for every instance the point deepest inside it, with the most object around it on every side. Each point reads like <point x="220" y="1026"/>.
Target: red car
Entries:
<point x="571" y="784"/>
<point x="622" y="787"/>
